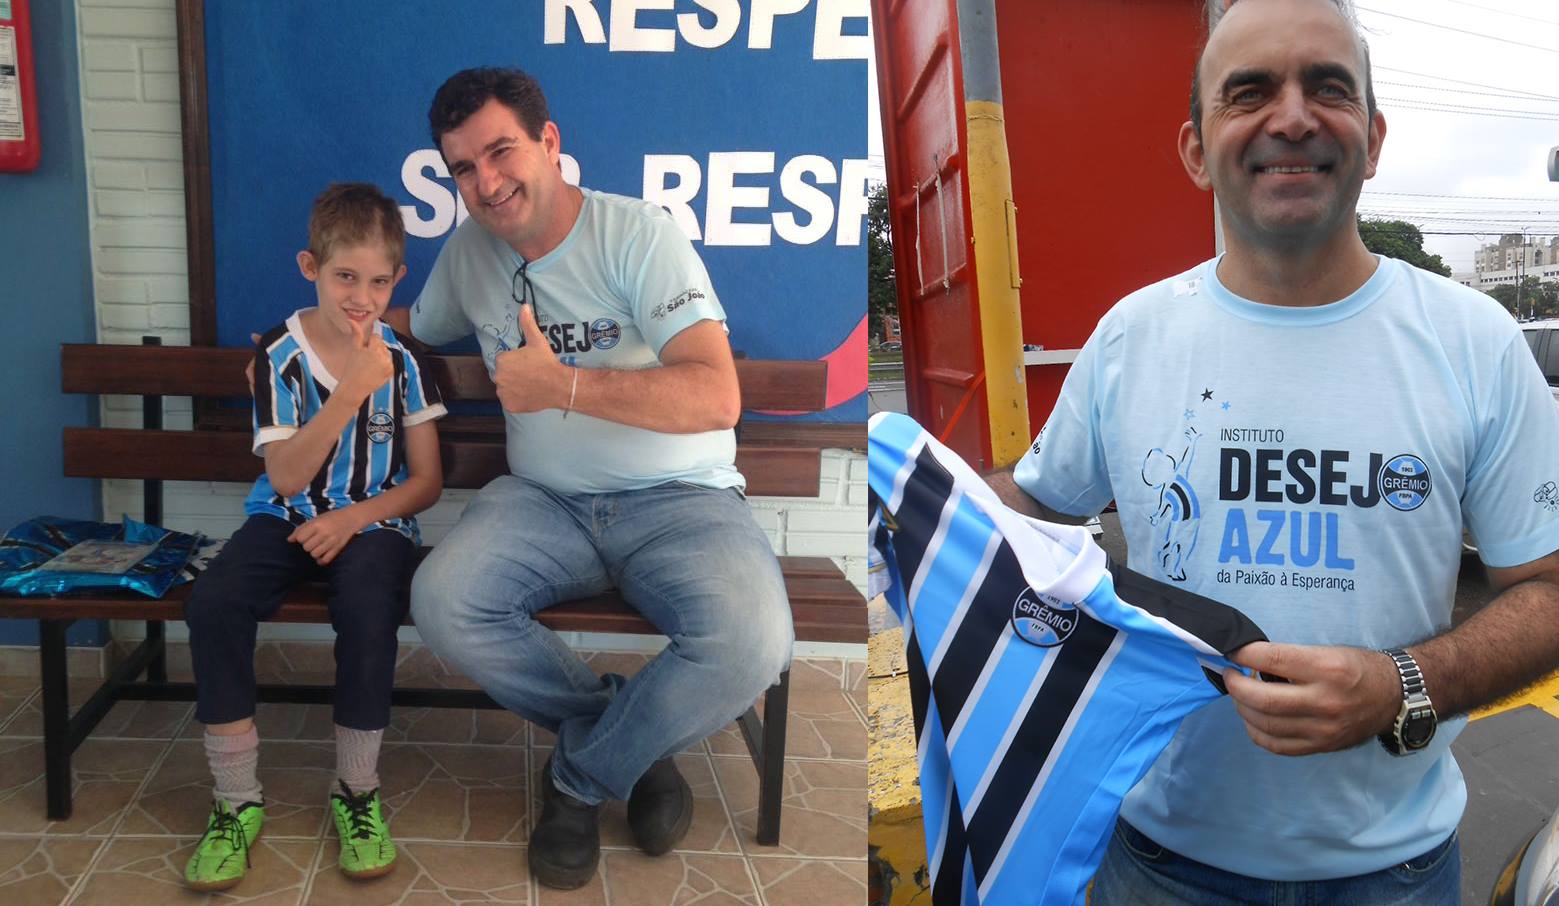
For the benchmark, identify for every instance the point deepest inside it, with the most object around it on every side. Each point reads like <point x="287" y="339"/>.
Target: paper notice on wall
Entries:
<point x="10" y="89"/>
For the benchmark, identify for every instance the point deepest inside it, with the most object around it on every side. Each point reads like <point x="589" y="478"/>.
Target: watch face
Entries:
<point x="1418" y="729"/>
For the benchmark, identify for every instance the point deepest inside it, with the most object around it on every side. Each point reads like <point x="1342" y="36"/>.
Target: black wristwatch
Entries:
<point x="1416" y="721"/>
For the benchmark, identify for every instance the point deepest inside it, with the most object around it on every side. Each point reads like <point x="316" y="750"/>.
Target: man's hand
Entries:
<point x="249" y="365"/>
<point x="530" y="378"/>
<point x="1334" y="699"/>
<point x="325" y="536"/>
<point x="368" y="364"/>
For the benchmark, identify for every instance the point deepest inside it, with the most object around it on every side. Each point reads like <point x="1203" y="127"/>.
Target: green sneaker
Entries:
<point x="222" y="855"/>
<point x="366" y="848"/>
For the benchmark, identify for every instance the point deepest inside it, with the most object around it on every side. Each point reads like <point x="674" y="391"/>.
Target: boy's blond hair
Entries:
<point x="354" y="213"/>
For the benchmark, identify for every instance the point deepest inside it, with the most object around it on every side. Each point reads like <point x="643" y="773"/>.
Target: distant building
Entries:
<point x="1514" y="256"/>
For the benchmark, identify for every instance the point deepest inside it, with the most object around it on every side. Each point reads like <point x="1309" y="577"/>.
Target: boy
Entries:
<point x="344" y="419"/>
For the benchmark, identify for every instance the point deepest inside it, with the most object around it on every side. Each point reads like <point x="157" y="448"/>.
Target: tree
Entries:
<point x="1400" y="239"/>
<point x="881" y="294"/>
<point x="1538" y="298"/>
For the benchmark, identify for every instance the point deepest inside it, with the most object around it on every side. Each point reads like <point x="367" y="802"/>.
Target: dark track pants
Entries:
<point x="246" y="583"/>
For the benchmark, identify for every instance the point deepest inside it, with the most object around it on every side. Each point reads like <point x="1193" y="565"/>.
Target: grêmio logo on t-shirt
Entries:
<point x="567" y="337"/>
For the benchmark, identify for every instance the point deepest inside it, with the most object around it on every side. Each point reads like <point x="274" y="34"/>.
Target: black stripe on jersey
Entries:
<point x="292" y="373"/>
<point x="919" y="683"/>
<point x="264" y="394"/>
<point x="948" y="888"/>
<point x="321" y="481"/>
<point x="1219" y="625"/>
<point x="925" y="493"/>
<point x="988" y="617"/>
<point x="1076" y="661"/>
<point x="425" y="382"/>
<point x="357" y="480"/>
<point x="1185" y="502"/>
<point x="398" y="413"/>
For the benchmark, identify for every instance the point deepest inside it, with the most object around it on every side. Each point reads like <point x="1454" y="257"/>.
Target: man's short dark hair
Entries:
<point x="465" y="92"/>
<point x="1216" y="9"/>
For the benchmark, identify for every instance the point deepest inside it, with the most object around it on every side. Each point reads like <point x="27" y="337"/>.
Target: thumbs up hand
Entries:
<point x="368" y="365"/>
<point x="530" y="378"/>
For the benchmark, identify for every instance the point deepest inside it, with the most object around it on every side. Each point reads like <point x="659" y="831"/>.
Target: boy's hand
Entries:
<point x="530" y="378"/>
<point x="325" y="536"/>
<point x="368" y="366"/>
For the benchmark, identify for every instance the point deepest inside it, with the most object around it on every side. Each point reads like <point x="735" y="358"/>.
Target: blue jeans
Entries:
<point x="1139" y="872"/>
<point x="691" y="560"/>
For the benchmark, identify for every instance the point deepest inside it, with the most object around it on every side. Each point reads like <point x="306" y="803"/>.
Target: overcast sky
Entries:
<point x="1440" y="66"/>
<point x="1473" y="173"/>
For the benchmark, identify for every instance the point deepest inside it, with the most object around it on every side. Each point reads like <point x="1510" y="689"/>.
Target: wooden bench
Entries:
<point x="778" y="459"/>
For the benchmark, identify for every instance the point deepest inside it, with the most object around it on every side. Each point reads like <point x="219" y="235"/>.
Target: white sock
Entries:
<point x="233" y="761"/>
<point x="357" y="758"/>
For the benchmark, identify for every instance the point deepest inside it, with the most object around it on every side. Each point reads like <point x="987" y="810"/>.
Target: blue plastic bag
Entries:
<point x="27" y="549"/>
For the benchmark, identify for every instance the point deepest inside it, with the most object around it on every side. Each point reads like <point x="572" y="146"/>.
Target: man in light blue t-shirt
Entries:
<point x="608" y="347"/>
<point x="1302" y="429"/>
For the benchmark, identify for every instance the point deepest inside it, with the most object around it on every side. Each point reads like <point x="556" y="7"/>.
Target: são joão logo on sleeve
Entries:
<point x="1042" y="620"/>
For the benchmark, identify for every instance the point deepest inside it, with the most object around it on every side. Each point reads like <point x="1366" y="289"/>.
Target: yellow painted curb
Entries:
<point x="896" y="841"/>
<point x="1544" y="695"/>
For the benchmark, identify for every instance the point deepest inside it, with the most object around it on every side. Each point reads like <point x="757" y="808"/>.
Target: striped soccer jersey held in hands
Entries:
<point x="1044" y="679"/>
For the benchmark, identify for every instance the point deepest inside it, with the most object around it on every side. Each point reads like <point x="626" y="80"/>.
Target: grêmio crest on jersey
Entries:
<point x="1042" y="620"/>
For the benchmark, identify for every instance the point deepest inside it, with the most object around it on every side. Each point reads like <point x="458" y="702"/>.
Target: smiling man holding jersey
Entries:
<point x="1301" y="429"/>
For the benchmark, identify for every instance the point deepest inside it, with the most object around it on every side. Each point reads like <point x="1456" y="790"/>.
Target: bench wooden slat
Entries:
<point x="772" y="471"/>
<point x="825" y="607"/>
<point x="824" y="435"/>
<point x="217" y="372"/>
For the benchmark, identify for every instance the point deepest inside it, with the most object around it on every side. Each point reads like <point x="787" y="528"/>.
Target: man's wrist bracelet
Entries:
<point x="573" y="388"/>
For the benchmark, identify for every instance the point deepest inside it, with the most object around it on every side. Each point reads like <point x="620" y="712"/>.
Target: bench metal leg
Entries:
<point x="157" y="667"/>
<point x="56" y="717"/>
<point x="771" y="771"/>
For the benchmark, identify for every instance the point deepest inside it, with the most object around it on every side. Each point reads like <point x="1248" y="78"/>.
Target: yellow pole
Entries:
<point x="995" y="232"/>
<point x="996" y="273"/>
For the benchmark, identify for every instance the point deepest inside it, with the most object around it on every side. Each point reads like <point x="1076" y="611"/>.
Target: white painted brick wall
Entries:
<point x="130" y="119"/>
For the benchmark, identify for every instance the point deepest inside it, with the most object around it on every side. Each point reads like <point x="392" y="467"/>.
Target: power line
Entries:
<point x="1503" y="12"/>
<point x="1463" y="31"/>
<point x="1474" y="107"/>
<point x="1435" y="107"/>
<point x="1399" y="214"/>
<point x="1462" y="197"/>
<point x="1486" y="94"/>
<point x="1425" y="75"/>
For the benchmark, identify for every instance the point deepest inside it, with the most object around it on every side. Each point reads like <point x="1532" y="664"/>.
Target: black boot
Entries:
<point x="566" y="844"/>
<point x="660" y="808"/>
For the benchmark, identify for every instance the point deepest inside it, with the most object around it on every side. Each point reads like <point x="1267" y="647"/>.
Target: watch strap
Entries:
<point x="1407" y="669"/>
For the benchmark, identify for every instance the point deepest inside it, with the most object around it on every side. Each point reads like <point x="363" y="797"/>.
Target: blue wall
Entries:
<point x="46" y="300"/>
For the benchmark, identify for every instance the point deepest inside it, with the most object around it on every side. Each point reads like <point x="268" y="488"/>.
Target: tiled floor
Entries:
<point x="459" y="799"/>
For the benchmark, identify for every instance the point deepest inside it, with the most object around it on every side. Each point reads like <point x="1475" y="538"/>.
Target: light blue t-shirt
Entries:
<point x="1312" y="467"/>
<point x="621" y="284"/>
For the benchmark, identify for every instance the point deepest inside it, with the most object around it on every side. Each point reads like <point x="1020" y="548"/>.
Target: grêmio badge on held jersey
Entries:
<point x="1042" y="620"/>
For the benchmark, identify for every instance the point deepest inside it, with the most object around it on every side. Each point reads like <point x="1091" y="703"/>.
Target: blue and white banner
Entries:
<point x="744" y="118"/>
